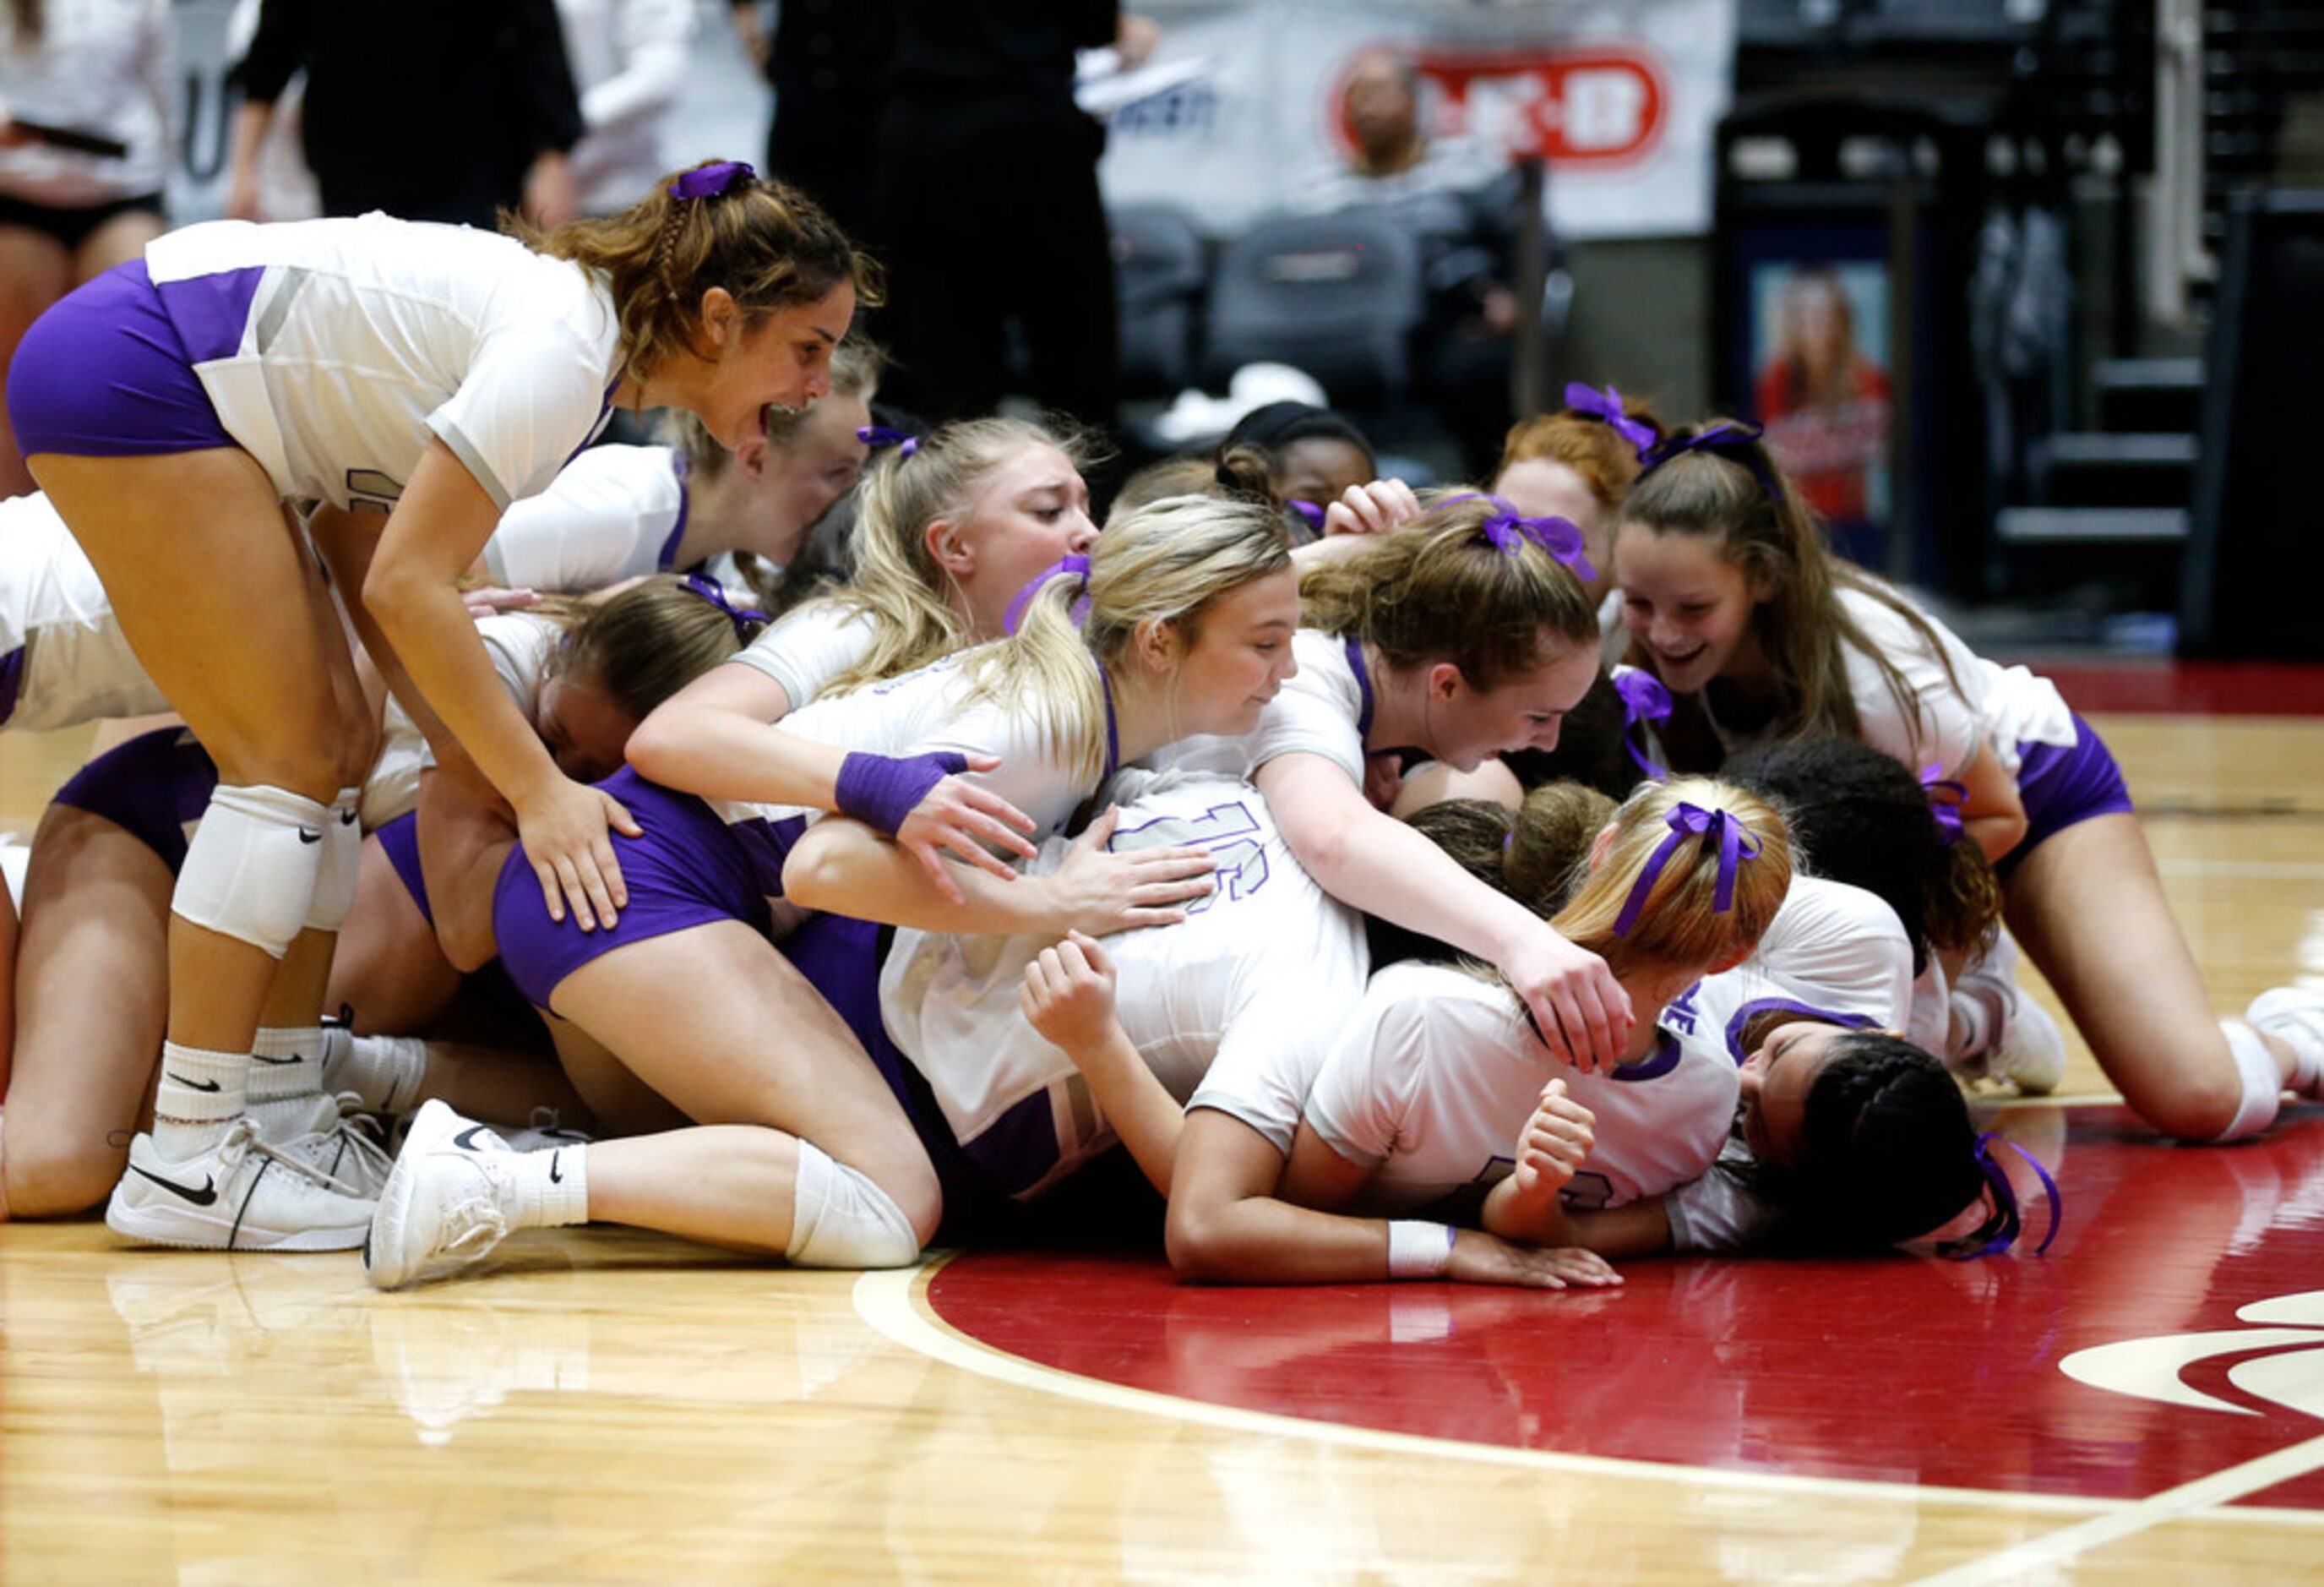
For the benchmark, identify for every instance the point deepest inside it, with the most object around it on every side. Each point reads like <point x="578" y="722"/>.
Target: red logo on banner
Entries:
<point x="1601" y="107"/>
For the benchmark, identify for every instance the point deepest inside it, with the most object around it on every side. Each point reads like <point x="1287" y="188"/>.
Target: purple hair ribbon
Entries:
<point x="876" y="435"/>
<point x="1644" y="699"/>
<point x="709" y="591"/>
<point x="1309" y="513"/>
<point x="1076" y="566"/>
<point x="710" y="180"/>
<point x="1606" y="405"/>
<point x="2008" y="1221"/>
<point x="1509" y="530"/>
<point x="1946" y="799"/>
<point x="1736" y="843"/>
<point x="1736" y="440"/>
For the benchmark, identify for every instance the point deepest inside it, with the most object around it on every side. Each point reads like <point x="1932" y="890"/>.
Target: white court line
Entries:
<point x="2265" y="869"/>
<point x="2169" y="1505"/>
<point x="889" y="1302"/>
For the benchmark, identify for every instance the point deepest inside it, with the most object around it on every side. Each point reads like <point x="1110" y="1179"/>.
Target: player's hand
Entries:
<point x="1069" y="994"/>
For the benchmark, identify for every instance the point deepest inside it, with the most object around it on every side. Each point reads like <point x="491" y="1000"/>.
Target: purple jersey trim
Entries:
<point x="210" y="311"/>
<point x="1784" y="1005"/>
<point x="12" y="680"/>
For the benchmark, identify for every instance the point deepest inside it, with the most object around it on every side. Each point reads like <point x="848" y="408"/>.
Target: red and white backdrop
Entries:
<point x="1621" y="96"/>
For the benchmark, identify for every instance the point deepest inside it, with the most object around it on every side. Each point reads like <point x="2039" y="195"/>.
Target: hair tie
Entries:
<point x="1072" y="566"/>
<point x="876" y="435"/>
<point x="2001" y="1231"/>
<point x="1736" y="843"/>
<point x="1509" y="530"/>
<point x="1946" y="799"/>
<point x="1643" y="700"/>
<point x="707" y="181"/>
<point x="1607" y="406"/>
<point x="1308" y="512"/>
<point x="708" y="590"/>
<point x="1736" y="440"/>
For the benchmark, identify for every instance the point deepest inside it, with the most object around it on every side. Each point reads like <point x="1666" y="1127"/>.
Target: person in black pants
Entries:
<point x="986" y="209"/>
<point x="445" y="110"/>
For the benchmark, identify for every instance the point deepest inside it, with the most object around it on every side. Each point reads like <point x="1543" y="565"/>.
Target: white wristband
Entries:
<point x="1417" y="1249"/>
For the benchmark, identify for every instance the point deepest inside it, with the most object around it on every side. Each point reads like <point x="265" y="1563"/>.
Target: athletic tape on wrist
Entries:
<point x="882" y="790"/>
<point x="1417" y="1248"/>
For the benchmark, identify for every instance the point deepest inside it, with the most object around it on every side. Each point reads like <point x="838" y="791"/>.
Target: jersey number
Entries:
<point x="1228" y="831"/>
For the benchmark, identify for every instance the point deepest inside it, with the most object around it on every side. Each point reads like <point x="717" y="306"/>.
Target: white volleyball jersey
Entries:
<point x="104" y="67"/>
<point x="921" y="712"/>
<point x="810" y="646"/>
<point x="58" y="639"/>
<point x="1432" y="1080"/>
<point x="1960" y="701"/>
<point x="1250" y="985"/>
<point x="521" y="645"/>
<point x="613" y="512"/>
<point x="1316" y="712"/>
<point x="361" y="338"/>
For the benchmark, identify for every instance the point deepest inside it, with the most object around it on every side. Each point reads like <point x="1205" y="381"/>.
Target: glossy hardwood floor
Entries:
<point x="602" y="1407"/>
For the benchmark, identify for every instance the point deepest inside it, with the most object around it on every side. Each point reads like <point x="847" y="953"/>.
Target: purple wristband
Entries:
<point x="881" y="790"/>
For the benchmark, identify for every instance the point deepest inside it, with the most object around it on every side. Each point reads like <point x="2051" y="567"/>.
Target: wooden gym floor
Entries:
<point x="2146" y="1403"/>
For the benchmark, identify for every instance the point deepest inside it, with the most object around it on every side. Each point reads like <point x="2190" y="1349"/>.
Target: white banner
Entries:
<point x="1620" y="95"/>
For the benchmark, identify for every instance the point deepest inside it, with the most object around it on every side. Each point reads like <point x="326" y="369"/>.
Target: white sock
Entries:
<point x="552" y="1186"/>
<point x="201" y="1094"/>
<point x="2306" y="1057"/>
<point x="2263" y="1087"/>
<point x="384" y="1071"/>
<point x="286" y="1062"/>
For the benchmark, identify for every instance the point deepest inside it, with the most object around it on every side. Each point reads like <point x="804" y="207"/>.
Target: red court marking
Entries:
<point x="1892" y="1369"/>
<point x="2206" y="688"/>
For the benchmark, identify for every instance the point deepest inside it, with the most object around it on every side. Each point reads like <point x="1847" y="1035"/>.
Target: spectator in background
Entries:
<point x="446" y="110"/>
<point x="100" y="73"/>
<point x="986" y="209"/>
<point x="629" y="60"/>
<point x="284" y="188"/>
<point x="827" y="62"/>
<point x="1459" y="200"/>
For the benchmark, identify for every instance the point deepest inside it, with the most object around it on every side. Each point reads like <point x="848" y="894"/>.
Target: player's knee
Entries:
<point x="251" y="869"/>
<point x="842" y="1219"/>
<point x="45" y="1175"/>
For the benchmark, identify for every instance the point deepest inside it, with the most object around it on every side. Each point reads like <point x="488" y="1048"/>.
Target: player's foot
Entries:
<point x="448" y="1202"/>
<point x="239" y="1195"/>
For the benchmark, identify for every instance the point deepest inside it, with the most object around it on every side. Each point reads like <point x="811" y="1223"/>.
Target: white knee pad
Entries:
<point x="335" y="879"/>
<point x="251" y="868"/>
<point x="840" y="1219"/>
<point x="2263" y="1087"/>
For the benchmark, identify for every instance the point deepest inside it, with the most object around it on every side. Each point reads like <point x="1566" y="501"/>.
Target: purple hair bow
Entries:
<point x="1644" y="699"/>
<point x="1509" y="530"/>
<point x="1308" y="512"/>
<point x="2008" y="1221"/>
<point x="1946" y="799"/>
<point x="708" y="182"/>
<point x="1735" y="439"/>
<point x="709" y="591"/>
<point x="1075" y="567"/>
<point x="1736" y="843"/>
<point x="876" y="435"/>
<point x="1608" y="405"/>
